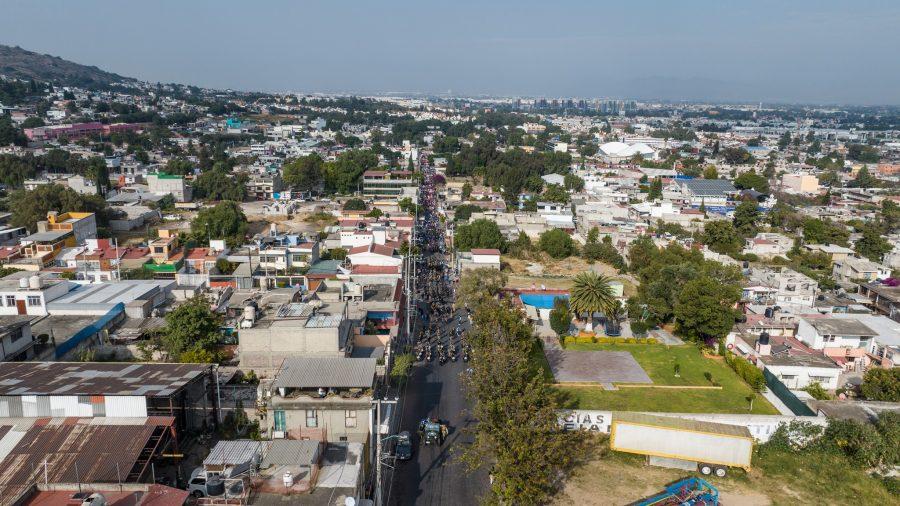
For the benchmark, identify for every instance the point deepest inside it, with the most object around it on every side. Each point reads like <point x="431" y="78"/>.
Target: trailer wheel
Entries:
<point x="721" y="472"/>
<point x="705" y="469"/>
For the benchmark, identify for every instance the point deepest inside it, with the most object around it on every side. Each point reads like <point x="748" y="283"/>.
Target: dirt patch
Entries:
<point x="624" y="479"/>
<point x="557" y="274"/>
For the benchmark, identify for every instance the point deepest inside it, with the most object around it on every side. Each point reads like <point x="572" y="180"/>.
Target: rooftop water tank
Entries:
<point x="34" y="282"/>
<point x="23" y="282"/>
<point x="288" y="479"/>
<point x="215" y="486"/>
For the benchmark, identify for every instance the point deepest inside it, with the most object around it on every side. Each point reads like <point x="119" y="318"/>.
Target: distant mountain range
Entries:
<point x="23" y="64"/>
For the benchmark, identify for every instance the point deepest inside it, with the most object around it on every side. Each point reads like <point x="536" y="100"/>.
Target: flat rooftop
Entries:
<point x="96" y="378"/>
<point x="840" y="327"/>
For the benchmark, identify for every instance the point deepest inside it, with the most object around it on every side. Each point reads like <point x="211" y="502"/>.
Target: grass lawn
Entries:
<point x="659" y="363"/>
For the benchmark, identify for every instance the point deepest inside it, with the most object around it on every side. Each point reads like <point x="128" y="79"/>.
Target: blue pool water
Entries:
<point x="540" y="300"/>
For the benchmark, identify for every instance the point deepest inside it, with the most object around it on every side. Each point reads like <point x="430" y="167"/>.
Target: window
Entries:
<point x="280" y="422"/>
<point x="34" y="300"/>
<point x="311" y="418"/>
<point x="11" y="300"/>
<point x="819" y="379"/>
<point x="788" y="376"/>
<point x="350" y="418"/>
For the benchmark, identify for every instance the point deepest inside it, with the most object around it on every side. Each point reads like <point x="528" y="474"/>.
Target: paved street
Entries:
<point x="435" y="475"/>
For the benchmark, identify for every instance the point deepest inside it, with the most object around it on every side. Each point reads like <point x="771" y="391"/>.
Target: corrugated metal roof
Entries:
<point x="285" y="452"/>
<point x="101" y="453"/>
<point x="235" y="452"/>
<point x="96" y="378"/>
<point x="681" y="424"/>
<point x="324" y="321"/>
<point x="295" y="310"/>
<point x="327" y="372"/>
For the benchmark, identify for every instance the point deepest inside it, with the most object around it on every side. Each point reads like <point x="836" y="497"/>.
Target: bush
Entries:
<point x="651" y="340"/>
<point x="817" y="392"/>
<point x="639" y="327"/>
<point x="747" y="371"/>
<point x="557" y="243"/>
<point x="882" y="385"/>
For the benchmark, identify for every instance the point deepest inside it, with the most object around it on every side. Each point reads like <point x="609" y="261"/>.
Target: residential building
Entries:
<point x="387" y="184"/>
<point x="824" y="332"/>
<point x="885" y="298"/>
<point x="264" y="187"/>
<point x="707" y="192"/>
<point x="16" y="341"/>
<point x="478" y="259"/>
<point x="161" y="183"/>
<point x="800" y="183"/>
<point x="24" y="294"/>
<point x="858" y="270"/>
<point x="293" y="329"/>
<point x="109" y="390"/>
<point x="781" y="287"/>
<point x="323" y="398"/>
<point x="82" y="225"/>
<point x="834" y="251"/>
<point x="768" y="245"/>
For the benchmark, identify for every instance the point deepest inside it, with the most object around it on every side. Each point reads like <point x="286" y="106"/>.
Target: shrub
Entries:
<point x="817" y="392"/>
<point x="631" y="340"/>
<point x="747" y="371"/>
<point x="708" y="376"/>
<point x="651" y="340"/>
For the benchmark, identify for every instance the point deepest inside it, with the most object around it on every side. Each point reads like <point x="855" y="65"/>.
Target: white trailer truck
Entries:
<point x="710" y="448"/>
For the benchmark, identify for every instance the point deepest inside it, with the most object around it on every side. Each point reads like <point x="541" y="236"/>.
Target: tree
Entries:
<point x="464" y="212"/>
<point x="179" y="166"/>
<point x="573" y="182"/>
<point x="192" y="330"/>
<point x="737" y="156"/>
<point x="375" y="213"/>
<point x="32" y="122"/>
<point x="872" y="244"/>
<point x="704" y="309"/>
<point x="864" y="179"/>
<point x="710" y="172"/>
<point x="784" y="141"/>
<point x="304" y="173"/>
<point x="355" y="205"/>
<point x="881" y="384"/>
<point x="557" y="243"/>
<point x="560" y="317"/>
<point x="466" y="190"/>
<point x="591" y="293"/>
<point x="481" y="233"/>
<point x="746" y="217"/>
<point x="722" y="237"/>
<point x="751" y="180"/>
<point x="478" y="285"/>
<point x="216" y="184"/>
<point x="863" y="153"/>
<point x="9" y="134"/>
<point x="342" y="175"/>
<point x="522" y="246"/>
<point x="556" y="193"/>
<point x="816" y="231"/>
<point x="516" y="409"/>
<point x="655" y="191"/>
<point x="29" y="207"/>
<point x="225" y="220"/>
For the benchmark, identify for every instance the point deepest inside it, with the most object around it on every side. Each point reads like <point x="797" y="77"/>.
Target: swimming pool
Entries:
<point x="541" y="300"/>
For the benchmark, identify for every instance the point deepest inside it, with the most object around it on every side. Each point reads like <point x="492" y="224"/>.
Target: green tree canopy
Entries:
<point x="704" y="309"/>
<point x="29" y="207"/>
<point x="591" y="293"/>
<point x="481" y="233"/>
<point x="560" y="316"/>
<point x="216" y="184"/>
<point x="882" y="384"/>
<point x="751" y="180"/>
<point x="225" y="220"/>
<point x="746" y="218"/>
<point x="191" y="329"/>
<point x="555" y="193"/>
<point x="355" y="205"/>
<point x="557" y="243"/>
<point x="722" y="237"/>
<point x="304" y="173"/>
<point x="872" y="244"/>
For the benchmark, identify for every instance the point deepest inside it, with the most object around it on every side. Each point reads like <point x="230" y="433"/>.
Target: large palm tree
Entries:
<point x="591" y="293"/>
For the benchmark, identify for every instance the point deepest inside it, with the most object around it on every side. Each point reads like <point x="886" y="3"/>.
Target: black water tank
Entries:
<point x="764" y="338"/>
<point x="215" y="487"/>
<point x="770" y="312"/>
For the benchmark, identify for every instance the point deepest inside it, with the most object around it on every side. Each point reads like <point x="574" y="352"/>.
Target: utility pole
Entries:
<point x="378" y="447"/>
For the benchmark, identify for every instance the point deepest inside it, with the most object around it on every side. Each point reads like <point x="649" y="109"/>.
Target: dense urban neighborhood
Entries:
<point x="227" y="297"/>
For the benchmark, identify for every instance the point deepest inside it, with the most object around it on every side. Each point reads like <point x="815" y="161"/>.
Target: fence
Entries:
<point x="787" y="397"/>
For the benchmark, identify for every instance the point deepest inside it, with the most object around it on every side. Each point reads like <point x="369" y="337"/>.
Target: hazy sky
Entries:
<point x="788" y="50"/>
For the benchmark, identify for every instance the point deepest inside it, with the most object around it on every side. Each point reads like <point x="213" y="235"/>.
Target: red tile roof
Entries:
<point x="375" y="269"/>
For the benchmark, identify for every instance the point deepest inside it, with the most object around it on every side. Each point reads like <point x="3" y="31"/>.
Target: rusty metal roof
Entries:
<point x="74" y="450"/>
<point x="96" y="378"/>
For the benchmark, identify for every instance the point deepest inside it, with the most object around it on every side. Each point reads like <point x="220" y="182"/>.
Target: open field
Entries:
<point x="659" y="363"/>
<point x="776" y="479"/>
